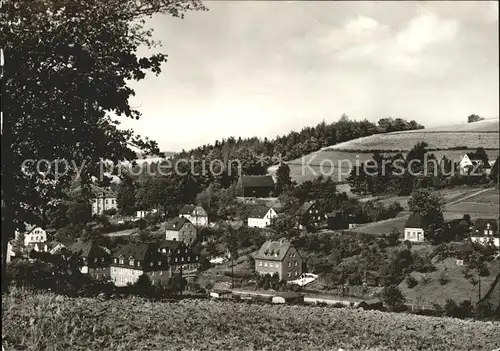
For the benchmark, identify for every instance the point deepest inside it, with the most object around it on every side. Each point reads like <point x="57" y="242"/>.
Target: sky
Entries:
<point x="263" y="68"/>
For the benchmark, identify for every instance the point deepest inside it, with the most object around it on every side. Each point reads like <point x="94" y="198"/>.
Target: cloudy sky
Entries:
<point x="262" y="68"/>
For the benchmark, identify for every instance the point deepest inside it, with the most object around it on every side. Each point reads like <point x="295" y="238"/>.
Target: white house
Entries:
<point x="415" y="228"/>
<point x="261" y="217"/>
<point x="32" y="235"/>
<point x="485" y="231"/>
<point x="103" y="199"/>
<point x="470" y="160"/>
<point x="196" y="214"/>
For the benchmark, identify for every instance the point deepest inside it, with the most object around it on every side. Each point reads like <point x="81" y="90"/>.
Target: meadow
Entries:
<point x="451" y="141"/>
<point x="48" y="322"/>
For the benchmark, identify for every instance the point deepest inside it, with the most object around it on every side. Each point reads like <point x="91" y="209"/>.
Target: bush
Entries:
<point x="443" y="279"/>
<point x="393" y="298"/>
<point x="484" y="310"/>
<point x="111" y="212"/>
<point x="425" y="279"/>
<point x="411" y="282"/>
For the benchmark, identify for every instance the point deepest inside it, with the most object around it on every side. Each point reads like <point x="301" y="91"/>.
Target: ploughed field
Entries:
<point x="47" y="322"/>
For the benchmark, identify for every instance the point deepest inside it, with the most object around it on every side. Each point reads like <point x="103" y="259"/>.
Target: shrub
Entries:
<point x="111" y="212"/>
<point x="484" y="310"/>
<point x="443" y="279"/>
<point x="450" y="308"/>
<point x="393" y="298"/>
<point x="411" y="282"/>
<point x="425" y="279"/>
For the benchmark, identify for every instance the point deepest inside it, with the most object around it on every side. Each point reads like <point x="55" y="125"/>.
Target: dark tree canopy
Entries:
<point x="67" y="66"/>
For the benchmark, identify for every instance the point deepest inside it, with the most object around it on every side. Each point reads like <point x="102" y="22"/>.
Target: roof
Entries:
<point x="176" y="223"/>
<point x="170" y="244"/>
<point x="257" y="211"/>
<point x="334" y="214"/>
<point x="139" y="251"/>
<point x="416" y="221"/>
<point x="187" y="209"/>
<point x="257" y="181"/>
<point x="481" y="224"/>
<point x="306" y="206"/>
<point x="95" y="190"/>
<point x="273" y="250"/>
<point x="88" y="249"/>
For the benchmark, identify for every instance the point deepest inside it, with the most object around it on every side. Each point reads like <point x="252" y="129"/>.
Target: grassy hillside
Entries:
<point x="43" y="322"/>
<point x="468" y="137"/>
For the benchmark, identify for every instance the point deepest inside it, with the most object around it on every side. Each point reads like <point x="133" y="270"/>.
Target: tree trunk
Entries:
<point x="7" y="195"/>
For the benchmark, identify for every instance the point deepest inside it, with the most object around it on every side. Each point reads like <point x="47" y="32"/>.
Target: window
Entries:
<point x="165" y="250"/>
<point x="296" y="274"/>
<point x="289" y="274"/>
<point x="289" y="264"/>
<point x="189" y="258"/>
<point x="116" y="260"/>
<point x="106" y="201"/>
<point x="176" y="259"/>
<point x="151" y="263"/>
<point x="295" y="264"/>
<point x="182" y="259"/>
<point x="95" y="260"/>
<point x="159" y="263"/>
<point x="131" y="262"/>
<point x="196" y="258"/>
<point x="260" y="263"/>
<point x="265" y="264"/>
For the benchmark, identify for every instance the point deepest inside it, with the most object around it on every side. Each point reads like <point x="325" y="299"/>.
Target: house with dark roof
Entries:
<point x="181" y="229"/>
<point x="95" y="259"/>
<point x="471" y="160"/>
<point x="310" y="213"/>
<point x="133" y="260"/>
<point x="260" y="216"/>
<point x="415" y="228"/>
<point x="279" y="257"/>
<point x="486" y="231"/>
<point x="181" y="258"/>
<point x="196" y="214"/>
<point x="256" y="186"/>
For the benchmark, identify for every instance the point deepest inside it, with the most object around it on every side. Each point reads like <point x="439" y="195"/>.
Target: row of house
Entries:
<point x="484" y="230"/>
<point x="159" y="261"/>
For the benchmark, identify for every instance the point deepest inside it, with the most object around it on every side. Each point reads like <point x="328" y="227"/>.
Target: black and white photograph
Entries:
<point x="250" y="175"/>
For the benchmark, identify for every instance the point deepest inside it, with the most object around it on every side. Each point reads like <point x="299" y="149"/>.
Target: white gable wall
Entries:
<point x="414" y="234"/>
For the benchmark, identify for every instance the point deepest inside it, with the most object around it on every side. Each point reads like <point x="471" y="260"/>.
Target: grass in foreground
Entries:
<point x="43" y="322"/>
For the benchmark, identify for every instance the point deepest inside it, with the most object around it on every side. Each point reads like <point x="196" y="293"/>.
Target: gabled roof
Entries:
<point x="94" y="190"/>
<point x="88" y="249"/>
<point x="170" y="244"/>
<point x="481" y="224"/>
<point x="273" y="250"/>
<point x="306" y="206"/>
<point x="176" y="223"/>
<point x="416" y="221"/>
<point x="257" y="211"/>
<point x="187" y="209"/>
<point x="140" y="252"/>
<point x="257" y="181"/>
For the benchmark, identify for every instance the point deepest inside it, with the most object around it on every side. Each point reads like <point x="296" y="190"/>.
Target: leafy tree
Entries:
<point x="495" y="171"/>
<point x="283" y="179"/>
<point x="69" y="61"/>
<point x="79" y="212"/>
<point x="428" y="205"/>
<point x="126" y="197"/>
<point x="474" y="118"/>
<point x="393" y="298"/>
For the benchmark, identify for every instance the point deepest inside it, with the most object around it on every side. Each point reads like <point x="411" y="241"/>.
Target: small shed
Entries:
<point x="288" y="297"/>
<point x="221" y="294"/>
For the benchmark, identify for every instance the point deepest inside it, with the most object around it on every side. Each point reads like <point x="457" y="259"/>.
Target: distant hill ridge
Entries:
<point x="483" y="134"/>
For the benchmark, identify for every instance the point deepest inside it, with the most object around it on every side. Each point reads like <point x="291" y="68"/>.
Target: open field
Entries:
<point x="456" y="208"/>
<point x="43" y="322"/>
<point x="338" y="164"/>
<point x="458" y="288"/>
<point x="469" y="135"/>
<point x="336" y="161"/>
